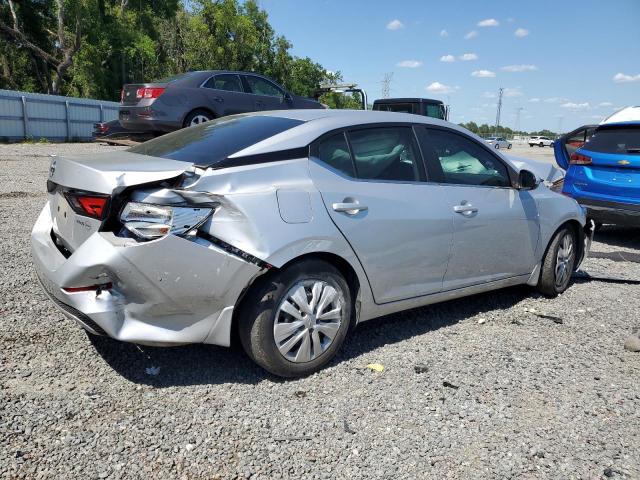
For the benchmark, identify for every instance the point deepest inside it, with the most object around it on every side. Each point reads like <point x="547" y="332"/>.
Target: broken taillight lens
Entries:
<point x="94" y="206"/>
<point x="579" y="159"/>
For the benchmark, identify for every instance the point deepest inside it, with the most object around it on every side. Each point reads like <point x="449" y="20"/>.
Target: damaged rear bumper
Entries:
<point x="164" y="292"/>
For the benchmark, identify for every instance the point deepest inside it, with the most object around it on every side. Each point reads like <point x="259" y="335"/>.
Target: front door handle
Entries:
<point x="465" y="209"/>
<point x="218" y="99"/>
<point x="350" y="208"/>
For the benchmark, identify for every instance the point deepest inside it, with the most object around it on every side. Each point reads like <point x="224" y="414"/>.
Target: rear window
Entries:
<point x="619" y="139"/>
<point x="209" y="143"/>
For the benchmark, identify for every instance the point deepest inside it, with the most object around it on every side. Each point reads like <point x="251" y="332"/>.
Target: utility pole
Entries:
<point x="560" y="118"/>
<point x="386" y="85"/>
<point x="518" y="110"/>
<point x="500" y="92"/>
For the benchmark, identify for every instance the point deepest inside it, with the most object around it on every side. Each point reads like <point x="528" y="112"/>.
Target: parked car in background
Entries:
<point x="498" y="142"/>
<point x="196" y="97"/>
<point x="540" y="141"/>
<point x="103" y="129"/>
<point x="292" y="227"/>
<point x="426" y="107"/>
<point x="603" y="167"/>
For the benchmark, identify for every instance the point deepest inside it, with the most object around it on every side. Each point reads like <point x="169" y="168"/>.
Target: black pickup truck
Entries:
<point x="420" y="106"/>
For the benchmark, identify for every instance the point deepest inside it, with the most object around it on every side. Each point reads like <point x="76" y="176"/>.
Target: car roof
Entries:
<point x="317" y="122"/>
<point x="625" y="115"/>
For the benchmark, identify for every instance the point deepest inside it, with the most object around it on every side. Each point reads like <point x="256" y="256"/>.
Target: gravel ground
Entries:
<point x="501" y="393"/>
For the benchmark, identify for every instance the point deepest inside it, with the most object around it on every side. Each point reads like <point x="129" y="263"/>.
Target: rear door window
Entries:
<point x="229" y="83"/>
<point x="619" y="139"/>
<point x="385" y="153"/>
<point x="334" y="151"/>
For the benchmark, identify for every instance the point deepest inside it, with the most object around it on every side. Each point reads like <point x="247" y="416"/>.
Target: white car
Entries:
<point x="498" y="142"/>
<point x="540" y="141"/>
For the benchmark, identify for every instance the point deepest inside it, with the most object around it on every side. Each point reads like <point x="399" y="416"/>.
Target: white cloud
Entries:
<point x="437" y="87"/>
<point x="605" y="104"/>
<point x="447" y="58"/>
<point x="468" y="57"/>
<point x="576" y="106"/>
<point x="444" y="33"/>
<point x="470" y="35"/>
<point x="409" y="64"/>
<point x="624" y="78"/>
<point x="512" y="92"/>
<point x="521" y="32"/>
<point x="534" y="100"/>
<point x="395" y="25"/>
<point x="489" y="95"/>
<point x="554" y="100"/>
<point x="489" y="22"/>
<point x="519" y="68"/>
<point x="483" y="74"/>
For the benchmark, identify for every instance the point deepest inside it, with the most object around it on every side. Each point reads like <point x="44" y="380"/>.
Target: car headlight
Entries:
<point x="149" y="222"/>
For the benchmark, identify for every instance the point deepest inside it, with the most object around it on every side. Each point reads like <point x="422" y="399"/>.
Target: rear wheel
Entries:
<point x="558" y="263"/>
<point x="541" y="144"/>
<point x="497" y="146"/>
<point x="293" y="323"/>
<point x="509" y="147"/>
<point x="197" y="117"/>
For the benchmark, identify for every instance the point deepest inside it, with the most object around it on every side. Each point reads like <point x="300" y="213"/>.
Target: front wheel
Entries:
<point x="558" y="263"/>
<point x="294" y="322"/>
<point x="497" y="146"/>
<point x="509" y="147"/>
<point x="541" y="144"/>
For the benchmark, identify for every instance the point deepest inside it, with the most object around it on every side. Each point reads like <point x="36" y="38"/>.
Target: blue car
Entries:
<point x="602" y="164"/>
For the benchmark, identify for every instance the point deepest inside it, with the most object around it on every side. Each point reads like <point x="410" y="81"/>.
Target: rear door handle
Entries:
<point x="465" y="209"/>
<point x="218" y="99"/>
<point x="350" y="208"/>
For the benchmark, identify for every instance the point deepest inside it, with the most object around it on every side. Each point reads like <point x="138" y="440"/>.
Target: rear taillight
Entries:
<point x="579" y="159"/>
<point x="89" y="205"/>
<point x="122" y="95"/>
<point x="149" y="92"/>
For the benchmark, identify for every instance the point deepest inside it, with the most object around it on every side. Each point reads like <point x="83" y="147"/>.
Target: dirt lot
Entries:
<point x="480" y="388"/>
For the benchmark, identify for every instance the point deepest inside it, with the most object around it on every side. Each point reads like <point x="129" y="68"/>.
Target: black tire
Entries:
<point x="550" y="282"/>
<point x="195" y="114"/>
<point x="257" y="317"/>
<point x="531" y="145"/>
<point x="497" y="146"/>
<point x="541" y="144"/>
<point x="509" y="147"/>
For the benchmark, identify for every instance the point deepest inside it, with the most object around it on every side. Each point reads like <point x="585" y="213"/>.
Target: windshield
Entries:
<point x="623" y="139"/>
<point x="209" y="143"/>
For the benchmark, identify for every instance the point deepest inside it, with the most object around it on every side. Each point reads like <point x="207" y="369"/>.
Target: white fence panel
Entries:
<point x="52" y="117"/>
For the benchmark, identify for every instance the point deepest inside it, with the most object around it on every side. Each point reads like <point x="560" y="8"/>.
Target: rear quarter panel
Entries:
<point x="256" y="215"/>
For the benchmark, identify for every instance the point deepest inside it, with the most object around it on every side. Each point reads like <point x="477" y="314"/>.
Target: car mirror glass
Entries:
<point x="527" y="180"/>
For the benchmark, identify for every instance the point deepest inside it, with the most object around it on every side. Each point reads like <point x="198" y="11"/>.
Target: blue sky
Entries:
<point x="565" y="62"/>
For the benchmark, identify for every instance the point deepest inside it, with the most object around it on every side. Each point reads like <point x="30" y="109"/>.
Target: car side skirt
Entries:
<point x="370" y="312"/>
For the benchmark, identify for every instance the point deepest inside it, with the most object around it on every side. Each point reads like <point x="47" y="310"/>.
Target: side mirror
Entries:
<point x="288" y="97"/>
<point x="527" y="180"/>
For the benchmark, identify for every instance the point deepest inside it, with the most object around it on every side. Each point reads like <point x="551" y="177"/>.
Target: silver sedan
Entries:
<point x="292" y="227"/>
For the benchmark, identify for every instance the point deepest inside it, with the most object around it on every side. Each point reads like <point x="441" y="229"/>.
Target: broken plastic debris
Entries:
<point x="376" y="367"/>
<point x="153" y="371"/>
